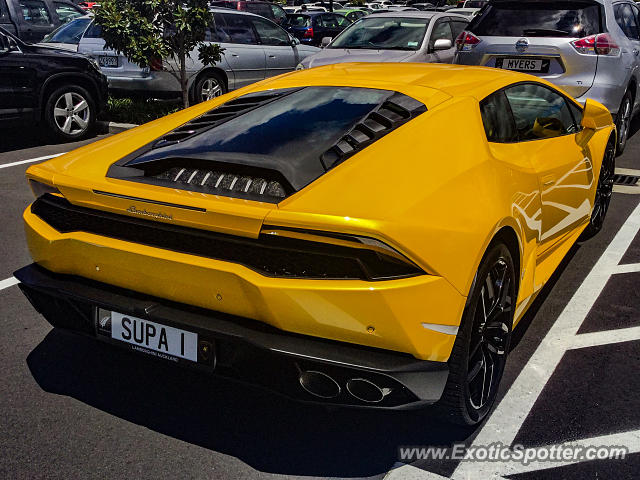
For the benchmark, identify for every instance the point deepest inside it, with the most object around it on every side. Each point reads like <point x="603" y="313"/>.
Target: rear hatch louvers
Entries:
<point x="268" y="145"/>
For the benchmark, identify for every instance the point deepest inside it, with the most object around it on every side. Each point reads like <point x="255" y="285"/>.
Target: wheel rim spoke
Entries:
<point x="490" y="333"/>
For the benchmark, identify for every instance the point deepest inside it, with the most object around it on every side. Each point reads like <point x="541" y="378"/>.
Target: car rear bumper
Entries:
<point x="242" y="349"/>
<point x="417" y="315"/>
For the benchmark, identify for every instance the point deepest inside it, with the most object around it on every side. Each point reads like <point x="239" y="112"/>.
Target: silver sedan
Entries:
<point x="409" y="36"/>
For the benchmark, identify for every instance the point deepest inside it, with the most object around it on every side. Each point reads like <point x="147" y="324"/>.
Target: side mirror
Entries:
<point x="325" y="41"/>
<point x="442" y="44"/>
<point x="294" y="41"/>
<point x="595" y="116"/>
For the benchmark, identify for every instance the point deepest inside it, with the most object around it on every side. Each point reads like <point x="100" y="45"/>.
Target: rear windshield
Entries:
<point x="299" y="20"/>
<point x="69" y="32"/>
<point x="538" y="19"/>
<point x="474" y="4"/>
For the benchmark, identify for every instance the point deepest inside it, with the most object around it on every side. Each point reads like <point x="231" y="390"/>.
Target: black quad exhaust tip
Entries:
<point x="366" y="391"/>
<point x="319" y="384"/>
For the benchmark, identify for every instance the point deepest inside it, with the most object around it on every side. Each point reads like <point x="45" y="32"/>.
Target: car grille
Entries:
<point x="270" y="255"/>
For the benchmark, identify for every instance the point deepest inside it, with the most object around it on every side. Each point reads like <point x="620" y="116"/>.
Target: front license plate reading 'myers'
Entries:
<point x="144" y="334"/>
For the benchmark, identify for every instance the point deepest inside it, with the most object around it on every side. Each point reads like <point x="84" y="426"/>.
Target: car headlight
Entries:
<point x="39" y="188"/>
<point x="300" y="67"/>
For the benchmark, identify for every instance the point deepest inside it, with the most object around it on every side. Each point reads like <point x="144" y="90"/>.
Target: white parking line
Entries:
<point x="9" y="282"/>
<point x="626" y="268"/>
<point x="31" y="160"/>
<point x="595" y="339"/>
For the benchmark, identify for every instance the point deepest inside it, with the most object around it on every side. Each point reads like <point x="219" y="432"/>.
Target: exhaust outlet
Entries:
<point x="366" y="391"/>
<point x="319" y="384"/>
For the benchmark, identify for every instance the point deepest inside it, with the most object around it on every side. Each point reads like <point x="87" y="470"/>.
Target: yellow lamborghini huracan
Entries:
<point x="355" y="234"/>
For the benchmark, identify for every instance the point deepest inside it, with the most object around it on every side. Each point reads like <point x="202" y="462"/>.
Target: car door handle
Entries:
<point x="234" y="55"/>
<point x="272" y="56"/>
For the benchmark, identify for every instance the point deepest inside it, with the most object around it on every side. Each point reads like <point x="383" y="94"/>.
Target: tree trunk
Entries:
<point x="183" y="78"/>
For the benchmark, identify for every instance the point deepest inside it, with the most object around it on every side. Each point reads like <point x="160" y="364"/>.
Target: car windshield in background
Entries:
<point x="69" y="32"/>
<point x="384" y="33"/>
<point x="299" y="21"/>
<point x="474" y="4"/>
<point x="538" y="19"/>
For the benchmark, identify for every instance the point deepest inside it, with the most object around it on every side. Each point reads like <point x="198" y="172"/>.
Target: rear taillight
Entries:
<point x="156" y="65"/>
<point x="308" y="33"/>
<point x="600" y="44"/>
<point x="466" y="41"/>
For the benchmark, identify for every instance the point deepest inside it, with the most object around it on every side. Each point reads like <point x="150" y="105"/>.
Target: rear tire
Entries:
<point x="623" y="121"/>
<point x="70" y="113"/>
<point x="479" y="353"/>
<point x="604" y="190"/>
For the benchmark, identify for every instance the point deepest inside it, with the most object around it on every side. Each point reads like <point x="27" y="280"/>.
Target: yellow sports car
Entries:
<point x="355" y="234"/>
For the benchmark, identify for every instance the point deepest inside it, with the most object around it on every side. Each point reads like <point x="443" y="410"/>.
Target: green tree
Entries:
<point x="147" y="31"/>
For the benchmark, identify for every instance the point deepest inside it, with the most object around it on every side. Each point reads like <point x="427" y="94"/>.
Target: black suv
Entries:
<point x="31" y="20"/>
<point x="62" y="89"/>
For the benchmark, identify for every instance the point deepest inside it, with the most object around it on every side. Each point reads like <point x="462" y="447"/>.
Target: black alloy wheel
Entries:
<point x="604" y="190"/>
<point x="623" y="121"/>
<point x="480" y="351"/>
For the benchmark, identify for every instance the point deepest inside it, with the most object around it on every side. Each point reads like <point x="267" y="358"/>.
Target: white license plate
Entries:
<point x="107" y="61"/>
<point x="522" y="64"/>
<point x="146" y="335"/>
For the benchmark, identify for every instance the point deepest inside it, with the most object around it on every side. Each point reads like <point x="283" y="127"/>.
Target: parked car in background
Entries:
<point x="255" y="48"/>
<point x="68" y="36"/>
<point x="394" y="37"/>
<point x="352" y="14"/>
<point x="31" y="20"/>
<point x="311" y="27"/>
<point x="467" y="12"/>
<point x="589" y="48"/>
<point x="272" y="11"/>
<point x="304" y="8"/>
<point x="473" y="4"/>
<point x="61" y="89"/>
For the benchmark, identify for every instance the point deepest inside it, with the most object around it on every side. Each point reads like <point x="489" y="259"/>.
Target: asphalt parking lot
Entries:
<point x="74" y="408"/>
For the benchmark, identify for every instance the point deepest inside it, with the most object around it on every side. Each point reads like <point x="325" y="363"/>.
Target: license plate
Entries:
<point x="523" y="64"/>
<point x="107" y="61"/>
<point x="149" y="337"/>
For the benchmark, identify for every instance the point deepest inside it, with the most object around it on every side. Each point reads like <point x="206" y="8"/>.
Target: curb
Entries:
<point x="115" y="127"/>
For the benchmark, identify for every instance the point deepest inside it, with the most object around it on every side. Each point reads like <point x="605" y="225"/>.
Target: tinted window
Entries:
<point x="270" y="33"/>
<point x="262" y="9"/>
<point x="328" y="21"/>
<point x="627" y="20"/>
<point x="342" y="21"/>
<point x="236" y="29"/>
<point x="441" y="30"/>
<point x="458" y="27"/>
<point x="577" y="114"/>
<point x="299" y="20"/>
<point x="66" y="12"/>
<point x="94" y="31"/>
<point x="35" y="12"/>
<point x="539" y="112"/>
<point x="69" y="32"/>
<point x="279" y="14"/>
<point x="497" y="119"/>
<point x="538" y="19"/>
<point x="384" y="33"/>
<point x="475" y="3"/>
